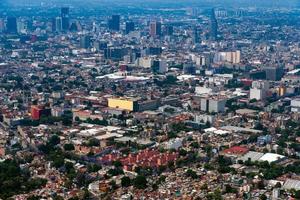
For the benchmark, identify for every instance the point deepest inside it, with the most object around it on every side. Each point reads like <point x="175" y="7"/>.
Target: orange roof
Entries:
<point x="236" y="150"/>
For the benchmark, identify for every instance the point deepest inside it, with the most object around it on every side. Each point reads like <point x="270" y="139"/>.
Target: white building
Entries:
<point x="271" y="157"/>
<point x="212" y="104"/>
<point x="204" y="90"/>
<point x="291" y="184"/>
<point x="295" y="105"/>
<point x="275" y="193"/>
<point x="257" y="94"/>
<point x="162" y="66"/>
<point x="57" y="112"/>
<point x="175" y="143"/>
<point x="259" y="90"/>
<point x="204" y="118"/>
<point x="202" y="60"/>
<point x="21" y="26"/>
<point x="145" y="62"/>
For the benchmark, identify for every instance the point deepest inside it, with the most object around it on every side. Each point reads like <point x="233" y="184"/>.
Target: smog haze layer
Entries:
<point x="154" y="3"/>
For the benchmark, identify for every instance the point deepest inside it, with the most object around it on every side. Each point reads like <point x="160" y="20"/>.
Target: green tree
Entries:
<point x="162" y="179"/>
<point x="297" y="194"/>
<point x="191" y="173"/>
<point x="54" y="140"/>
<point x="93" y="168"/>
<point x="140" y="182"/>
<point x="195" y="145"/>
<point x="125" y="181"/>
<point x="115" y="171"/>
<point x="117" y="164"/>
<point x="113" y="185"/>
<point x="93" y="142"/>
<point x="69" y="147"/>
<point x="229" y="189"/>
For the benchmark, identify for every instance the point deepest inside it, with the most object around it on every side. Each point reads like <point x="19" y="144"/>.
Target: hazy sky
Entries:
<point x="273" y="3"/>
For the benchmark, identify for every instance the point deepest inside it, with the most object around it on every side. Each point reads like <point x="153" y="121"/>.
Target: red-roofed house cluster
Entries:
<point x="145" y="158"/>
<point x="235" y="150"/>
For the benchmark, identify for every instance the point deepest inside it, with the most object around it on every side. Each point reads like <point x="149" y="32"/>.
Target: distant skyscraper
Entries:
<point x="155" y="29"/>
<point x="169" y="30"/>
<point x="53" y="24"/>
<point x="65" y="18"/>
<point x="114" y="23"/>
<point x="94" y="27"/>
<point x="274" y="73"/>
<point x="152" y="29"/>
<point x="129" y="26"/>
<point x="85" y="41"/>
<point x="58" y="24"/>
<point x="103" y="44"/>
<point x="115" y="53"/>
<point x="213" y="26"/>
<point x="11" y="25"/>
<point x="189" y="68"/>
<point x="75" y="26"/>
<point x="2" y="25"/>
<point x="196" y="36"/>
<point x="21" y="26"/>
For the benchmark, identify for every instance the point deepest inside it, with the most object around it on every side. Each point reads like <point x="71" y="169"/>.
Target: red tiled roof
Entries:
<point x="236" y="150"/>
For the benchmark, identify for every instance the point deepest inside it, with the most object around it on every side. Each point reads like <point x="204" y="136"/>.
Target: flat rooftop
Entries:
<point x="240" y="129"/>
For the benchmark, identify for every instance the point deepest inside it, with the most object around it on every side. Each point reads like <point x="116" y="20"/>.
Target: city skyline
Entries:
<point x="226" y="3"/>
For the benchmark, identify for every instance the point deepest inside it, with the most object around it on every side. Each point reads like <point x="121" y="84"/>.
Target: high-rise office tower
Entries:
<point x="274" y="73"/>
<point x="103" y="44"/>
<point x="75" y="26"/>
<point x="159" y="66"/>
<point x="11" y="25"/>
<point x="65" y="18"/>
<point x="189" y="68"/>
<point x="53" y="24"/>
<point x="58" y="24"/>
<point x="196" y="36"/>
<point x="169" y="30"/>
<point x="94" y="27"/>
<point x="152" y="29"/>
<point x="114" y="23"/>
<point x="115" y="53"/>
<point x="2" y="25"/>
<point x="85" y="41"/>
<point x="129" y="26"/>
<point x="158" y="28"/>
<point x="155" y="29"/>
<point x="21" y="26"/>
<point x="213" y="26"/>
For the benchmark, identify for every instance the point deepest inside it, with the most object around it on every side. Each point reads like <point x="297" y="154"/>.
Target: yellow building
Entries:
<point x="129" y="104"/>
<point x="281" y="91"/>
